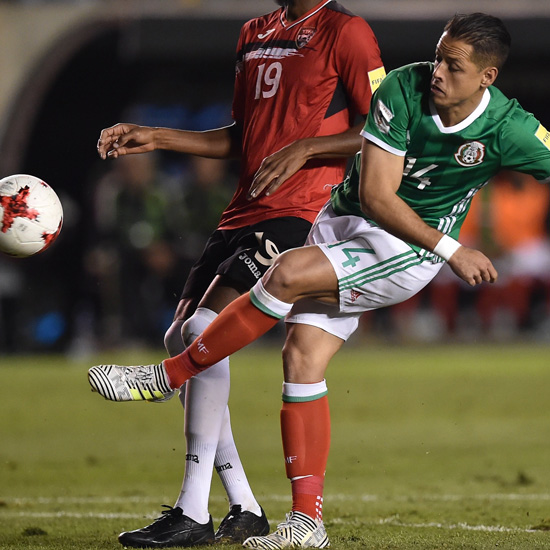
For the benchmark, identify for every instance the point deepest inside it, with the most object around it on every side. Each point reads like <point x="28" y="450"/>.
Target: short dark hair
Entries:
<point x="486" y="34"/>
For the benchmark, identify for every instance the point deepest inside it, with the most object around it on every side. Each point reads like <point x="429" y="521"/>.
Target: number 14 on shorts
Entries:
<point x="351" y="255"/>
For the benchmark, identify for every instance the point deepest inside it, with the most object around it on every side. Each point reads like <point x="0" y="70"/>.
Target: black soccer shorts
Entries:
<point x="243" y="255"/>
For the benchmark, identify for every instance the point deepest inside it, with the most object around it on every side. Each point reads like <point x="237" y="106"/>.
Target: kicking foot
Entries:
<point x="238" y="525"/>
<point x="173" y="528"/>
<point x="141" y="383"/>
<point x="298" y="531"/>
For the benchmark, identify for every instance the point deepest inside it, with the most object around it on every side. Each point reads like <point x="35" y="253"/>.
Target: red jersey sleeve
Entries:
<point x="239" y="89"/>
<point x="358" y="61"/>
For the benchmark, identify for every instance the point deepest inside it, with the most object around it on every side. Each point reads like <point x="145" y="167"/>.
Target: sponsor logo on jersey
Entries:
<point x="382" y="117"/>
<point x="265" y="34"/>
<point x="354" y="296"/>
<point x="271" y="53"/>
<point x="376" y="76"/>
<point x="543" y="135"/>
<point x="470" y="153"/>
<point x="305" y="34"/>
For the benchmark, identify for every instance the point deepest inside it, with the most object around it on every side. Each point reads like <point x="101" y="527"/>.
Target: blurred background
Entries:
<point x="134" y="226"/>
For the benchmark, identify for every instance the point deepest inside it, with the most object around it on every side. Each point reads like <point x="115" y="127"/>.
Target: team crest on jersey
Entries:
<point x="305" y="34"/>
<point x="470" y="153"/>
<point x="382" y="117"/>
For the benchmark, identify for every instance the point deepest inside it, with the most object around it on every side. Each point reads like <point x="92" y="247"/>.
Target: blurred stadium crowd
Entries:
<point x="134" y="226"/>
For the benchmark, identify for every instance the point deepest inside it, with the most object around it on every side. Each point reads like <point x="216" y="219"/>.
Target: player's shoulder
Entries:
<point x="261" y="21"/>
<point x="412" y="79"/>
<point x="336" y="9"/>
<point x="413" y="72"/>
<point x="511" y="115"/>
<point x="341" y="16"/>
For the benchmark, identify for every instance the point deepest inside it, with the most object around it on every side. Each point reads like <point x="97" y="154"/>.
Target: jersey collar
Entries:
<point x="303" y="18"/>
<point x="476" y="113"/>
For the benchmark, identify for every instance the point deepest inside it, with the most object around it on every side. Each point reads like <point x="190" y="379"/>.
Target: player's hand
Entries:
<point x="472" y="266"/>
<point x="125" y="139"/>
<point x="277" y="168"/>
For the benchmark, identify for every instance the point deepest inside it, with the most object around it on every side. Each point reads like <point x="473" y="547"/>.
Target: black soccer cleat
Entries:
<point x="238" y="525"/>
<point x="171" y="529"/>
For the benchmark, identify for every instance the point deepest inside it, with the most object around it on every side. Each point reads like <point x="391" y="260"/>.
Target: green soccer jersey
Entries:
<point x="445" y="166"/>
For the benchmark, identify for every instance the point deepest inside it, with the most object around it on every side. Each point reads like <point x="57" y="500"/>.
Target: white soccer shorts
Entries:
<point x="374" y="270"/>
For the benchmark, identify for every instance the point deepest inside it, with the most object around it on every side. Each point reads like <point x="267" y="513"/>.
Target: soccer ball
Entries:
<point x="31" y="215"/>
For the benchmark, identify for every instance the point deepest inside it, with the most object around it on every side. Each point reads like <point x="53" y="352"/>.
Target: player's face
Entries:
<point x="457" y="82"/>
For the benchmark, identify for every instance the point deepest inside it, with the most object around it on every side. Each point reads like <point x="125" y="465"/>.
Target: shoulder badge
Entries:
<point x="382" y="117"/>
<point x="543" y="135"/>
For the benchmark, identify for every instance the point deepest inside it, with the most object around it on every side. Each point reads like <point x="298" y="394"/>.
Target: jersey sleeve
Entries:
<point x="358" y="62"/>
<point x="388" y="119"/>
<point x="239" y="89"/>
<point x="526" y="147"/>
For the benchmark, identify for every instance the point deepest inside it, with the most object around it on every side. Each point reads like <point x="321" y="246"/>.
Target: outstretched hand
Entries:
<point x="125" y="139"/>
<point x="277" y="168"/>
<point x="472" y="266"/>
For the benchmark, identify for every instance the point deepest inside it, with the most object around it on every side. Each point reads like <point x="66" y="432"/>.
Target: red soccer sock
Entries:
<point x="306" y="441"/>
<point x="307" y="496"/>
<point x="239" y="324"/>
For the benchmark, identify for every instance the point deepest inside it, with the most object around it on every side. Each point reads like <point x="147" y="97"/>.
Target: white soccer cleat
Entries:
<point x="140" y="383"/>
<point x="298" y="531"/>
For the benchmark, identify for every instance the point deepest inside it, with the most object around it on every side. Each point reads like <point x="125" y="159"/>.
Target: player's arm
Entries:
<point x="380" y="178"/>
<point x="127" y="139"/>
<point x="278" y="167"/>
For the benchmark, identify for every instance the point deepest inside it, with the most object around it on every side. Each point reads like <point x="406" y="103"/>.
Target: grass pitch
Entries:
<point x="432" y="448"/>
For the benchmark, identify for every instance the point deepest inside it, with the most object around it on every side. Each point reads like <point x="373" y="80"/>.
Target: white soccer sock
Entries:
<point x="206" y="423"/>
<point x="268" y="303"/>
<point x="204" y="399"/>
<point x="230" y="469"/>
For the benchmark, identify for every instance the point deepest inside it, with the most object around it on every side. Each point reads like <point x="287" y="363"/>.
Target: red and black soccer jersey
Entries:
<point x="297" y="80"/>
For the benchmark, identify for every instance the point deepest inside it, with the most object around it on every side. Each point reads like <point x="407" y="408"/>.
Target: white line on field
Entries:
<point x="460" y="526"/>
<point x="282" y="498"/>
<point x="393" y="520"/>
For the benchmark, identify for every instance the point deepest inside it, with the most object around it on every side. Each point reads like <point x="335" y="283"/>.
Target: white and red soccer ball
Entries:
<point x="31" y="215"/>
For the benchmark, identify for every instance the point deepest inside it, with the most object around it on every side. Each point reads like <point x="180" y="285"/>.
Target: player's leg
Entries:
<point x="205" y="398"/>
<point x="207" y="421"/>
<point x="305" y="429"/>
<point x="206" y="426"/>
<point x="188" y="523"/>
<point x="256" y="248"/>
<point x="296" y="274"/>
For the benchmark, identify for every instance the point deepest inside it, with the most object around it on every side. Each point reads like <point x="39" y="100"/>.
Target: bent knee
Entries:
<point x="283" y="279"/>
<point x="173" y="341"/>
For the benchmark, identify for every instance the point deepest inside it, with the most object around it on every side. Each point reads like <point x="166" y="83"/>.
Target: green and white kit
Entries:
<point x="444" y="167"/>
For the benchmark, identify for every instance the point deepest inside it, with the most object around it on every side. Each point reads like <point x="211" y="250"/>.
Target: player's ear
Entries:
<point x="489" y="76"/>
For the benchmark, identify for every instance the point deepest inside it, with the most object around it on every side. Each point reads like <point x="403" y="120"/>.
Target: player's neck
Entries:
<point x="297" y="8"/>
<point x="455" y="114"/>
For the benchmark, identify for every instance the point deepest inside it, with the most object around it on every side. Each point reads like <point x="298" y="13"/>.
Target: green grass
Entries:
<point x="432" y="448"/>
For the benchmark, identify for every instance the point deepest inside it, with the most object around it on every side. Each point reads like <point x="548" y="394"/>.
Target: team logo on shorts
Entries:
<point x="470" y="153"/>
<point x="305" y="34"/>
